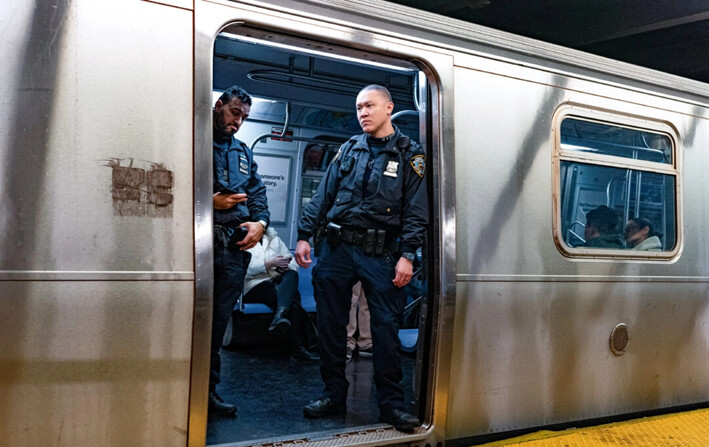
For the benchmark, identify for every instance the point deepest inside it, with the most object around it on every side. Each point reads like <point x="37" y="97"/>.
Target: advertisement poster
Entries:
<point x="275" y="174"/>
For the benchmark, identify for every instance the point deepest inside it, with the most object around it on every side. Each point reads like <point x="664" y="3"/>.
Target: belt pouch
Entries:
<point x="369" y="241"/>
<point x="379" y="247"/>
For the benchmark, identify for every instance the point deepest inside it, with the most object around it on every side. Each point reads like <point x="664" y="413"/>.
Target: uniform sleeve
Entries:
<point x="315" y="211"/>
<point x="218" y="185"/>
<point x="256" y="190"/>
<point x="414" y="217"/>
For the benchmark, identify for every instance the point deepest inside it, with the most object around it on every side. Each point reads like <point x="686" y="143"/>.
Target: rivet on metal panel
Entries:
<point x="619" y="339"/>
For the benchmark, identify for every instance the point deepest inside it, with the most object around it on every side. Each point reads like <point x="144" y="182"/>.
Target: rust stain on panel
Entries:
<point x="141" y="188"/>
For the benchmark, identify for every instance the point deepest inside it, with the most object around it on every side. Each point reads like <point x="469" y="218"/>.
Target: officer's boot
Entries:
<point x="280" y="324"/>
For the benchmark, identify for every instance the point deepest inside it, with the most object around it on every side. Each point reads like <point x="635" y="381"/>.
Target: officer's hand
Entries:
<point x="302" y="254"/>
<point x="226" y="201"/>
<point x="404" y="271"/>
<point x="252" y="237"/>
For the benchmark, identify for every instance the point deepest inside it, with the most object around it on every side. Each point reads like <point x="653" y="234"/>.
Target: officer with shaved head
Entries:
<point x="373" y="206"/>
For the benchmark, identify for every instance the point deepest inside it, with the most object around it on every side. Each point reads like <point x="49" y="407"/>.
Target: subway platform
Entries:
<point x="685" y="429"/>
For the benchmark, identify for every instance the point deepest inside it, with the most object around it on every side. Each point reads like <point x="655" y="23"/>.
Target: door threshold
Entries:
<point x="360" y="436"/>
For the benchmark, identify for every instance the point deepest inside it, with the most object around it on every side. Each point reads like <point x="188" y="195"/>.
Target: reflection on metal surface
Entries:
<point x="619" y="339"/>
<point x="141" y="191"/>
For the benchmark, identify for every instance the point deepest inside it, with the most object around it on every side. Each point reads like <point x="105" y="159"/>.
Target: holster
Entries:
<point x="332" y="233"/>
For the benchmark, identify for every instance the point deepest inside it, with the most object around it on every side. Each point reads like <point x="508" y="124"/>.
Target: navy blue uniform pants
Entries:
<point x="337" y="270"/>
<point x="229" y="271"/>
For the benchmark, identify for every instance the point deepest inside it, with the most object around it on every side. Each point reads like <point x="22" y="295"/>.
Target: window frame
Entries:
<point x="616" y="119"/>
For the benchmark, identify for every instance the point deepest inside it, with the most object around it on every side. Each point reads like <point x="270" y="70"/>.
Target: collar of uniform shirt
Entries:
<point x="380" y="141"/>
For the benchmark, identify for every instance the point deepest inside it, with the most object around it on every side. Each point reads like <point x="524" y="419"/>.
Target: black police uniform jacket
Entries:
<point x="235" y="171"/>
<point x="396" y="198"/>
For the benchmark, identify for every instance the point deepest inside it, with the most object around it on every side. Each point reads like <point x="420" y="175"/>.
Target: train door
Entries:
<point x="303" y="110"/>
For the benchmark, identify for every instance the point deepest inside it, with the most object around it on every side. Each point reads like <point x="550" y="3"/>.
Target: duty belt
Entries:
<point x="373" y="241"/>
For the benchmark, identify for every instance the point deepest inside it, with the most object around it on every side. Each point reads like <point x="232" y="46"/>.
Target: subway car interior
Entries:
<point x="303" y="109"/>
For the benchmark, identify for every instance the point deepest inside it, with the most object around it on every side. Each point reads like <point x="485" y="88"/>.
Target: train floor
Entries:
<point x="685" y="429"/>
<point x="270" y="390"/>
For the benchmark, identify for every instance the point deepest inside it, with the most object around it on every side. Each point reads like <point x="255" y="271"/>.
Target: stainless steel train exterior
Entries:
<point x="105" y="274"/>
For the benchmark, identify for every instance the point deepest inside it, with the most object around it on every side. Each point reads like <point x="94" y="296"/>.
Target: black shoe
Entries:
<point x="401" y="420"/>
<point x="280" y="324"/>
<point x="324" y="407"/>
<point x="301" y="353"/>
<point x="218" y="407"/>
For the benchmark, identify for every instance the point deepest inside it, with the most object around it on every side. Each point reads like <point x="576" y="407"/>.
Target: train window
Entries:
<point x="318" y="156"/>
<point x="616" y="191"/>
<point x="604" y="139"/>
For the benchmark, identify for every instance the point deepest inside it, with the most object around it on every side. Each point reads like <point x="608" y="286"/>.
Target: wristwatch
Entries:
<point x="409" y="256"/>
<point x="264" y="224"/>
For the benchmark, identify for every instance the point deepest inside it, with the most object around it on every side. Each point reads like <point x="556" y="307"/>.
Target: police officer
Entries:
<point x="373" y="205"/>
<point x="240" y="218"/>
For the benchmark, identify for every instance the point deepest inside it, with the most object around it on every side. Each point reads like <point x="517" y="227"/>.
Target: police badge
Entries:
<point x="418" y="162"/>
<point x="391" y="168"/>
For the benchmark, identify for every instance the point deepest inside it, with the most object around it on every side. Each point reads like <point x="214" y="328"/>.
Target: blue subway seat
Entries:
<point x="409" y="339"/>
<point x="256" y="308"/>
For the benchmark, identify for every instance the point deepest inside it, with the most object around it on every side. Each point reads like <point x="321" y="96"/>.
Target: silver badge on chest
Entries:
<point x="391" y="169"/>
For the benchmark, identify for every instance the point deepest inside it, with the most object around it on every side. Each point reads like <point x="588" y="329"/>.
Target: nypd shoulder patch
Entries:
<point x="418" y="162"/>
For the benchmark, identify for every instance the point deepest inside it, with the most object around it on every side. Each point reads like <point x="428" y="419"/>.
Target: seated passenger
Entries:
<point x="272" y="279"/>
<point x="602" y="229"/>
<point x="640" y="234"/>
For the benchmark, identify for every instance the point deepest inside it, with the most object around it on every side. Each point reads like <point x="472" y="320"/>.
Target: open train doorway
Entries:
<point x="303" y="109"/>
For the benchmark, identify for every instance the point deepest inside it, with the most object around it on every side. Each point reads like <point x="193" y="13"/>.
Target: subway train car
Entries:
<point x="526" y="320"/>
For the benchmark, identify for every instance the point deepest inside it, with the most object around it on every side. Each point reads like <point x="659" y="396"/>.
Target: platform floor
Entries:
<point x="686" y="429"/>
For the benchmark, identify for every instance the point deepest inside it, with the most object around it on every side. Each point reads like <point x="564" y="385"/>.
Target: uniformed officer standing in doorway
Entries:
<point x="240" y="218"/>
<point x="373" y="205"/>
